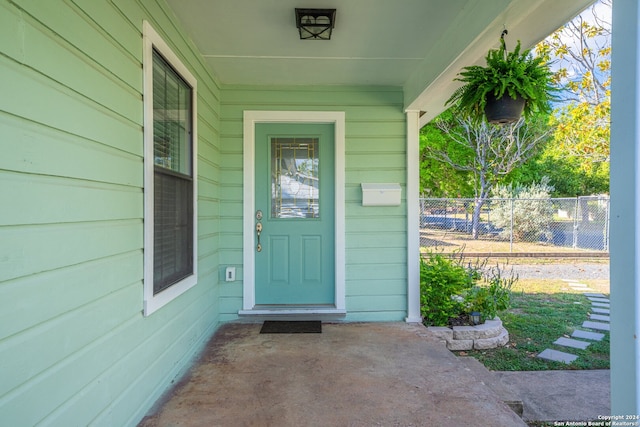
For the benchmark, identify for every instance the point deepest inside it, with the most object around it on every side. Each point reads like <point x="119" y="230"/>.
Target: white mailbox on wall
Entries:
<point x="381" y="194"/>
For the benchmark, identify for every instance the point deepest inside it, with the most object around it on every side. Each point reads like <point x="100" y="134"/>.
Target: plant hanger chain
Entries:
<point x="503" y="43"/>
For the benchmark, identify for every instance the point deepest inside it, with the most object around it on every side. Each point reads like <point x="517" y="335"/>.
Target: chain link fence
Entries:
<point x="516" y="225"/>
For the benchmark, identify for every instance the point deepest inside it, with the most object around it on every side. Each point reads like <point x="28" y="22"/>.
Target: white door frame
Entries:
<point x="337" y="118"/>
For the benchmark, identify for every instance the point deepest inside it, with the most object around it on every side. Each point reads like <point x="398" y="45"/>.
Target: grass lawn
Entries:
<point x="541" y="312"/>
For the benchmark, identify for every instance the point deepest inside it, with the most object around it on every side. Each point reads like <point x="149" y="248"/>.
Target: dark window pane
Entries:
<point x="173" y="230"/>
<point x="173" y="184"/>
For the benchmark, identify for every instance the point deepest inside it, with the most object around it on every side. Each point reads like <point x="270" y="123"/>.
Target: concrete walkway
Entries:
<point x="561" y="395"/>
<point x="354" y="374"/>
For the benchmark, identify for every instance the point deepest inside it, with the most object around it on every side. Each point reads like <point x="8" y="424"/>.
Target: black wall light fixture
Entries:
<point x="315" y="24"/>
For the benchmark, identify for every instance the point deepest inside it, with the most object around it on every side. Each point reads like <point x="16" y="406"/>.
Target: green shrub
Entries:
<point x="443" y="283"/>
<point x="493" y="294"/>
<point x="449" y="290"/>
<point x="528" y="209"/>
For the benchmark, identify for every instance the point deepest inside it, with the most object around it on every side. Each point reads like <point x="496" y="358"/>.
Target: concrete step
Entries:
<point x="506" y="393"/>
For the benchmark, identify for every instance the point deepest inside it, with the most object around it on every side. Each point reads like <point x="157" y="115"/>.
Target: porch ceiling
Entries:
<point x="417" y="44"/>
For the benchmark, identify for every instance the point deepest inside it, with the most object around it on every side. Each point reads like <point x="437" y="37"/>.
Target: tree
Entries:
<point x="565" y="174"/>
<point x="439" y="179"/>
<point x="582" y="53"/>
<point x="492" y="151"/>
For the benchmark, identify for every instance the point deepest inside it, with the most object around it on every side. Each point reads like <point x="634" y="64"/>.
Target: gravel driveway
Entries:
<point x="578" y="271"/>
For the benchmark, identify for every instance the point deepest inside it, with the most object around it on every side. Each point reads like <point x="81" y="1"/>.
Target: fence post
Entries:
<point x="456" y="207"/>
<point x="446" y="206"/>
<point x="467" y="224"/>
<point x="607" y="217"/>
<point x="511" y="232"/>
<point x="575" y="224"/>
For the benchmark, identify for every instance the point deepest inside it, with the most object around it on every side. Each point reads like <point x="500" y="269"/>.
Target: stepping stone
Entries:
<point x="594" y="336"/>
<point x="603" y="300"/>
<point x="596" y="325"/>
<point x="568" y="342"/>
<point x="557" y="356"/>
<point x="578" y="289"/>
<point x="600" y="310"/>
<point x="599" y="317"/>
<point x="595" y="295"/>
<point x="600" y="304"/>
<point x="578" y="285"/>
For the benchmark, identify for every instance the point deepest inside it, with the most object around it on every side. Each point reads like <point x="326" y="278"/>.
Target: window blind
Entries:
<point x="173" y="181"/>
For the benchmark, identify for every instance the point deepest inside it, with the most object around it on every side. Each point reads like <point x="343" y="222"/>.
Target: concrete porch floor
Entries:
<point x="352" y="374"/>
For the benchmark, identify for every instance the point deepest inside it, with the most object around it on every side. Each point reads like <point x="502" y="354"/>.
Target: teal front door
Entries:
<point x="294" y="184"/>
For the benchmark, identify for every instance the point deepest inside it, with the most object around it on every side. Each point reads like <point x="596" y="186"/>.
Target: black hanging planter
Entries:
<point x="503" y="110"/>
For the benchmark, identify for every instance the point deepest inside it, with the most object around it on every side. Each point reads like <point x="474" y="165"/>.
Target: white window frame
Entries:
<point x="152" y="41"/>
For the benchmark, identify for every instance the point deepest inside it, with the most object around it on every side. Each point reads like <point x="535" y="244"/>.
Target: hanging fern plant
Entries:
<point x="516" y="74"/>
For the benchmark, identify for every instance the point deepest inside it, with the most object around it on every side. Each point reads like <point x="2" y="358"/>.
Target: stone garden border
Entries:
<point x="490" y="334"/>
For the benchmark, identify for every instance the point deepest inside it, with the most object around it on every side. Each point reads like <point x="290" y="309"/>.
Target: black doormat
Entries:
<point x="291" y="327"/>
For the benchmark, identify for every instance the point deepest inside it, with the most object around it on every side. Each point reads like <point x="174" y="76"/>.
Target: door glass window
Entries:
<point x="294" y="178"/>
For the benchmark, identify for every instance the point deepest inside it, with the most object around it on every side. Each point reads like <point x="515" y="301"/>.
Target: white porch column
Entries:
<point x="625" y="209"/>
<point x="413" y="217"/>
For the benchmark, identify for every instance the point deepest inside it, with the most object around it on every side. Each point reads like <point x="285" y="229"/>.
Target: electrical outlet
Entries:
<point x="230" y="274"/>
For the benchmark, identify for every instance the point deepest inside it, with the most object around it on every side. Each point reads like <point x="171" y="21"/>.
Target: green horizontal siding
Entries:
<point x="64" y="289"/>
<point x="375" y="151"/>
<point x="385" y="175"/>
<point x="31" y="148"/>
<point x="364" y="255"/>
<point x="27" y="250"/>
<point x="33" y="96"/>
<point x="66" y="200"/>
<point x="74" y="345"/>
<point x="377" y="287"/>
<point x="376" y="303"/>
<point x="375" y="161"/>
<point x="381" y="271"/>
<point x="366" y="239"/>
